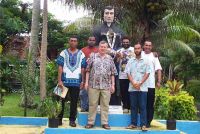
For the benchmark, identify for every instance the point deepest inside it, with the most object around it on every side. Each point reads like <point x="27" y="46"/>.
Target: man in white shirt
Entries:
<point x="126" y="52"/>
<point x="155" y="67"/>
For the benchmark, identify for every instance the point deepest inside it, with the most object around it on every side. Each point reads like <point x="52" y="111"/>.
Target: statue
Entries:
<point x="108" y="31"/>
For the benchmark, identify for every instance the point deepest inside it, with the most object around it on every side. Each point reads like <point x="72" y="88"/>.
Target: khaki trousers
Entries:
<point x="94" y="96"/>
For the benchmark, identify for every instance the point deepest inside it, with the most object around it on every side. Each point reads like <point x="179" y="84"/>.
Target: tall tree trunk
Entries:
<point x="43" y="54"/>
<point x="170" y="72"/>
<point x="34" y="37"/>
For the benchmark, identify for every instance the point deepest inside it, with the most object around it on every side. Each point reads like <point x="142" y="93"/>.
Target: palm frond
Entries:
<point x="182" y="32"/>
<point x="179" y="45"/>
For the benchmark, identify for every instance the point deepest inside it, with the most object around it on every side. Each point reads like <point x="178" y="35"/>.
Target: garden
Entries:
<point x="31" y="39"/>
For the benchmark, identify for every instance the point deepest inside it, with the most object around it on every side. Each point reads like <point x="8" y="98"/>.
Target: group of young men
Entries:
<point x="92" y="71"/>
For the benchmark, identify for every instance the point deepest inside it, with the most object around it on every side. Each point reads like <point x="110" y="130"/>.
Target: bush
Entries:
<point x="180" y="106"/>
<point x="49" y="107"/>
<point x="193" y="88"/>
<point x="162" y="103"/>
<point x="5" y="78"/>
<point x="52" y="75"/>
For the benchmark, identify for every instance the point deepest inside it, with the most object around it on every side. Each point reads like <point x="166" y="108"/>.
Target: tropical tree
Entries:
<point x="43" y="53"/>
<point x="14" y="19"/>
<point x="136" y="17"/>
<point x="34" y="41"/>
<point x="178" y="39"/>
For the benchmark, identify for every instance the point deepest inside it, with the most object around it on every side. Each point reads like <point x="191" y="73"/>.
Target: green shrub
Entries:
<point x="52" y="74"/>
<point x="2" y="92"/>
<point x="162" y="103"/>
<point x="180" y="106"/>
<point x="52" y="108"/>
<point x="193" y="88"/>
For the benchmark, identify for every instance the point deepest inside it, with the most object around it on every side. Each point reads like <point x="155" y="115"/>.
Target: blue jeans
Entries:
<point x="138" y="101"/>
<point x="84" y="99"/>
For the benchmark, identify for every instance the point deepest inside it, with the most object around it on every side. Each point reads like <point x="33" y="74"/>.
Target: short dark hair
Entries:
<point x="148" y="41"/>
<point x="109" y="8"/>
<point x="73" y="36"/>
<point x="138" y="44"/>
<point x="91" y="36"/>
<point x="125" y="37"/>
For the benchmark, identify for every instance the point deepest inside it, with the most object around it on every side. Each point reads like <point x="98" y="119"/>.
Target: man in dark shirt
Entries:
<point x="109" y="31"/>
<point x="90" y="48"/>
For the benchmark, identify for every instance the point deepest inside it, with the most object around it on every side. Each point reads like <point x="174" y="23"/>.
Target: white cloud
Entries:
<point x="63" y="12"/>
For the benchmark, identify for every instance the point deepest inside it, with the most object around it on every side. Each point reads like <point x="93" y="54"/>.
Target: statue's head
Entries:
<point x="109" y="14"/>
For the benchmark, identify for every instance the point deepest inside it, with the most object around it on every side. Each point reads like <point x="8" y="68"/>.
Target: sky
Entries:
<point x="63" y="12"/>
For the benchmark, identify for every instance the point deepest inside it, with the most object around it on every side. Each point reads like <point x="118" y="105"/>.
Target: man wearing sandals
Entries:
<point x="100" y="82"/>
<point x="138" y="71"/>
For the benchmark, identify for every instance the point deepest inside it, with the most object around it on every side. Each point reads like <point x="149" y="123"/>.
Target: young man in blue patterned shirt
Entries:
<point x="71" y="66"/>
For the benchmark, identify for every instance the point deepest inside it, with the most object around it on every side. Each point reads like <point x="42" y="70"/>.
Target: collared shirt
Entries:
<point x="72" y="64"/>
<point x="137" y="68"/>
<point x="101" y="70"/>
<point x="154" y="66"/>
<point x="127" y="54"/>
<point x="88" y="50"/>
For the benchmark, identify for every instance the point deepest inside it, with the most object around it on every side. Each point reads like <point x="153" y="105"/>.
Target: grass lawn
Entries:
<point x="11" y="106"/>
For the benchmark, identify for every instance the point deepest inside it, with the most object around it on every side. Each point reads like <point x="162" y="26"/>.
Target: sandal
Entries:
<point x="131" y="127"/>
<point x="88" y="126"/>
<point x="144" y="128"/>
<point x="106" y="126"/>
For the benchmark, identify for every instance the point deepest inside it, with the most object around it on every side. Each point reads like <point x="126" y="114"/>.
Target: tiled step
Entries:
<point x="115" y="120"/>
<point x="102" y="131"/>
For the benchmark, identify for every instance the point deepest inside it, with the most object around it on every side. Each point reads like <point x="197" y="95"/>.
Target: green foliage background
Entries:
<point x="180" y="106"/>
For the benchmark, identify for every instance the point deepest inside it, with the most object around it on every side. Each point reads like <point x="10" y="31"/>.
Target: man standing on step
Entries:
<point x="126" y="52"/>
<point x="155" y="67"/>
<point x="112" y="34"/>
<point x="90" y="48"/>
<point x="100" y="82"/>
<point x="71" y="70"/>
<point x="138" y="71"/>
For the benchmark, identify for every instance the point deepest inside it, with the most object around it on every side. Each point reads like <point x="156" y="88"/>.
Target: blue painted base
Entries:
<point x="189" y="127"/>
<point x="92" y="131"/>
<point x="23" y="121"/>
<point x="115" y="120"/>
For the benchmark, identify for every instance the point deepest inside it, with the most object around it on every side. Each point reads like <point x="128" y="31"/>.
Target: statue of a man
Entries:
<point x="109" y="31"/>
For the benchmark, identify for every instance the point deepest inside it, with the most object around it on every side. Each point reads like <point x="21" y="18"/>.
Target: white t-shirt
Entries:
<point x="127" y="54"/>
<point x="154" y="66"/>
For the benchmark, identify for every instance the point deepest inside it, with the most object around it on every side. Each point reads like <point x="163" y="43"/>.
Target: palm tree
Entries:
<point x="177" y="32"/>
<point x="135" y="16"/>
<point x="34" y="42"/>
<point x="43" y="54"/>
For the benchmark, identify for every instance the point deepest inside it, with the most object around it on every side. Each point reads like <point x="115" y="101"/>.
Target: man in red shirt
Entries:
<point x="90" y="48"/>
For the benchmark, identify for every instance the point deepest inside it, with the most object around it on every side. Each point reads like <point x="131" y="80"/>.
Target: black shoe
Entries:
<point x="72" y="124"/>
